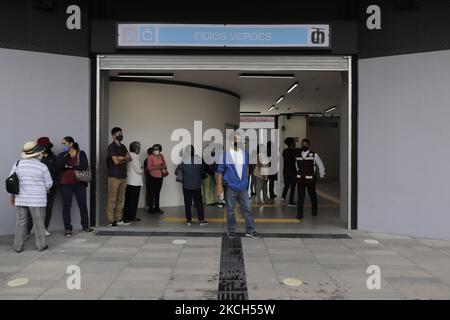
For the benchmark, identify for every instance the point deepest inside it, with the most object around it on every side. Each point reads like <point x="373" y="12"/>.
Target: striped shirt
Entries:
<point x="34" y="183"/>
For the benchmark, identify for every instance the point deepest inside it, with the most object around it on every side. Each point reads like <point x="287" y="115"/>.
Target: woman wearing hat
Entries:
<point x="49" y="159"/>
<point x="35" y="182"/>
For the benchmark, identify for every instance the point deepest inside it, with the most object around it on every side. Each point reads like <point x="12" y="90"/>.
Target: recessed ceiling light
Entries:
<point x="295" y="85"/>
<point x="279" y="100"/>
<point x="266" y="76"/>
<point x="331" y="109"/>
<point x="145" y="75"/>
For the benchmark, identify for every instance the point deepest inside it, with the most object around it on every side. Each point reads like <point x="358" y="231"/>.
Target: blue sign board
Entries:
<point x="133" y="35"/>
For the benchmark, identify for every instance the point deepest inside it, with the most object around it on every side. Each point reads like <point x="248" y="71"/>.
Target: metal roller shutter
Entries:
<point x="241" y="63"/>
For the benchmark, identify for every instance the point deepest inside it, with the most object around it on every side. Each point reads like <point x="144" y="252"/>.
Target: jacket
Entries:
<point x="230" y="175"/>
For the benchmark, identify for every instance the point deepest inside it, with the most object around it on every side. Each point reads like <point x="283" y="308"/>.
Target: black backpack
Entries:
<point x="12" y="183"/>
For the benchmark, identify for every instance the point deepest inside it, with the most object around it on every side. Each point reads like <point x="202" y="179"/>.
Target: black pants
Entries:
<point x="131" y="202"/>
<point x="272" y="179"/>
<point x="301" y="197"/>
<point x="155" y="185"/>
<point x="79" y="190"/>
<point x="48" y="211"/>
<point x="198" y="202"/>
<point x="290" y="182"/>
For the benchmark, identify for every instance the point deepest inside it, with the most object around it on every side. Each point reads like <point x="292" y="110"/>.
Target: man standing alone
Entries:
<point x="117" y="159"/>
<point x="309" y="165"/>
<point x="234" y="171"/>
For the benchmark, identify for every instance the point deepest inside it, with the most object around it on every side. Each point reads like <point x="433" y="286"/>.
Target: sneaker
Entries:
<point x="292" y="205"/>
<point x="113" y="225"/>
<point x="43" y="249"/>
<point x="47" y="234"/>
<point x="253" y="234"/>
<point x="88" y="230"/>
<point x="203" y="222"/>
<point x="220" y="206"/>
<point x="231" y="235"/>
<point x="299" y="218"/>
<point x="123" y="223"/>
<point x="68" y="233"/>
<point x="189" y="223"/>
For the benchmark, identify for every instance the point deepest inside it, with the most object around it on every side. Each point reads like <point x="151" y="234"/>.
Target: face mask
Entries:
<point x="119" y="138"/>
<point x="66" y="148"/>
<point x="304" y="148"/>
<point x="138" y="151"/>
<point x="156" y="152"/>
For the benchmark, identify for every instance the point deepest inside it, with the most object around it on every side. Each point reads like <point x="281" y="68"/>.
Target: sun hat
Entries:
<point x="44" y="141"/>
<point x="31" y="149"/>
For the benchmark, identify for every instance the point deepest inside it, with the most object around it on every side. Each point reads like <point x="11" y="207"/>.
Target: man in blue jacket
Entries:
<point x="234" y="172"/>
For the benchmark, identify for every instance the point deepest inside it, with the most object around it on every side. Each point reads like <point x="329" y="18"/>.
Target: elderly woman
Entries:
<point x="34" y="183"/>
<point x="134" y="183"/>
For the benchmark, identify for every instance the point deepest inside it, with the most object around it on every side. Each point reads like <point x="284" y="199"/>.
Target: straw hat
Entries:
<point x="31" y="150"/>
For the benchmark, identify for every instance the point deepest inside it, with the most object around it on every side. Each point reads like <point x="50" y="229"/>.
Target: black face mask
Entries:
<point x="119" y="138"/>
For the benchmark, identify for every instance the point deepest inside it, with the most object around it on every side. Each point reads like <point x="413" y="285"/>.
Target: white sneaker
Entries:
<point x="47" y="234"/>
<point x="122" y="223"/>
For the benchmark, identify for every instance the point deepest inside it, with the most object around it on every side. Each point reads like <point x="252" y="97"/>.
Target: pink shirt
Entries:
<point x="154" y="161"/>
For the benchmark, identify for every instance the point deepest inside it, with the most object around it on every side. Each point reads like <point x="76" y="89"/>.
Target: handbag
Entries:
<point x="83" y="175"/>
<point x="12" y="183"/>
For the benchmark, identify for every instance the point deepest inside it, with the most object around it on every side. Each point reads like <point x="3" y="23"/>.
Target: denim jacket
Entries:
<point x="230" y="175"/>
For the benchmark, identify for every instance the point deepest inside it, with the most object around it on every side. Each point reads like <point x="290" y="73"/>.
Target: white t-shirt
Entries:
<point x="238" y="160"/>
<point x="134" y="171"/>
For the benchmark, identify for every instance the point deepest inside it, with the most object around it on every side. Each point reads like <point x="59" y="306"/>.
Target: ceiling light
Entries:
<point x="145" y="75"/>
<point x="279" y="100"/>
<point x="331" y="109"/>
<point x="266" y="76"/>
<point x="295" y="85"/>
<point x="271" y="108"/>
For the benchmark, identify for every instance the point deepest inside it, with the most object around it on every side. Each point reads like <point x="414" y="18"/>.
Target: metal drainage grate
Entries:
<point x="232" y="278"/>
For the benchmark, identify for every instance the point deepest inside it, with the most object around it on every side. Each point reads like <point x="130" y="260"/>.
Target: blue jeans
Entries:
<point x="79" y="190"/>
<point x="231" y="197"/>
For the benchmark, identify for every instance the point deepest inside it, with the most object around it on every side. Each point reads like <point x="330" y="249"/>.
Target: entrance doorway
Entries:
<point x="216" y="73"/>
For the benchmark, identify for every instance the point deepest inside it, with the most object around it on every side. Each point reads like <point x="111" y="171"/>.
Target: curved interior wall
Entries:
<point x="149" y="112"/>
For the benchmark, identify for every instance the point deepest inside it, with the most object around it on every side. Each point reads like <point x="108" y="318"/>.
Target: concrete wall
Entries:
<point x="41" y="94"/>
<point x="149" y="112"/>
<point x="404" y="145"/>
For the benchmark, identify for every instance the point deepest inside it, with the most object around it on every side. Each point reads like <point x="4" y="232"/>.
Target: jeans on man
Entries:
<point x="37" y="215"/>
<point x="68" y="191"/>
<point x="231" y="198"/>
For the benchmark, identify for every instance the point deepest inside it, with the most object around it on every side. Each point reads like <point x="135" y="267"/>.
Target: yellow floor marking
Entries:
<point x="329" y="197"/>
<point x="238" y="220"/>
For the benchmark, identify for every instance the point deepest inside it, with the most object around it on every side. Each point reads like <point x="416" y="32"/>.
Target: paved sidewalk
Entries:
<point x="129" y="267"/>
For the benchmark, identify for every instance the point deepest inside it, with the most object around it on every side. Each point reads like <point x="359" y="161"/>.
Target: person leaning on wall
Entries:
<point x="35" y="182"/>
<point x="72" y="159"/>
<point x="116" y="160"/>
<point x="134" y="183"/>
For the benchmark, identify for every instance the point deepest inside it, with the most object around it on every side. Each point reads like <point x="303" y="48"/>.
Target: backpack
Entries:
<point x="12" y="183"/>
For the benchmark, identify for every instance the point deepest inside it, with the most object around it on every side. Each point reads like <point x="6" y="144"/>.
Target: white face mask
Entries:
<point x="156" y="153"/>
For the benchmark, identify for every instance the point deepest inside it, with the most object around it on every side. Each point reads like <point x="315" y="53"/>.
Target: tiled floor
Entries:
<point x="152" y="267"/>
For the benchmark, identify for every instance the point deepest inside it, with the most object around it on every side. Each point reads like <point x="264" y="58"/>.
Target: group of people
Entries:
<point x="126" y="178"/>
<point x="225" y="183"/>
<point x="40" y="172"/>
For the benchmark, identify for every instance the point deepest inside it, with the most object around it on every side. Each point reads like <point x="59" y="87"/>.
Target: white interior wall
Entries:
<point x="149" y="112"/>
<point x="404" y="145"/>
<point x="41" y="95"/>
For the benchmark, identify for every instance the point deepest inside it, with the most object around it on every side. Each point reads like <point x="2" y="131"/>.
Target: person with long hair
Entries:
<point x="70" y="159"/>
